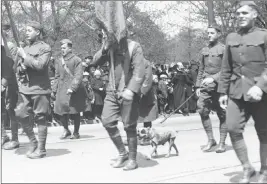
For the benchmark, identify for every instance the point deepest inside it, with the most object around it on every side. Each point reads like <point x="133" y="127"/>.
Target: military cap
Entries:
<point x="6" y="27"/>
<point x="215" y="26"/>
<point x="249" y="3"/>
<point x="66" y="41"/>
<point x="35" y="25"/>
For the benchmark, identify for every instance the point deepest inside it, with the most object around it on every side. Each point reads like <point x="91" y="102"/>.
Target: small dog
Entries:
<point x="157" y="137"/>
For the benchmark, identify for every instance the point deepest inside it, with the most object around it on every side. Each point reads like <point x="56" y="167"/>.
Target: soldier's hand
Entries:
<point x="21" y="52"/>
<point x="127" y="94"/>
<point x="198" y="92"/>
<point x="3" y="88"/>
<point x="223" y="101"/>
<point x="207" y="81"/>
<point x="255" y="93"/>
<point x="84" y="64"/>
<point x="53" y="96"/>
<point x="69" y="92"/>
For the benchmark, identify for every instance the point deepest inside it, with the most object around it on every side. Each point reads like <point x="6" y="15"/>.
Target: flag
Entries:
<point x="110" y="17"/>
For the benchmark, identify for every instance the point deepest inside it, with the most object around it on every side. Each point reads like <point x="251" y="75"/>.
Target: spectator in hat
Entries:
<point x="98" y="87"/>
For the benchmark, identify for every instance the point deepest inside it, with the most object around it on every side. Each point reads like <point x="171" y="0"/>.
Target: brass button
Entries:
<point x="242" y="76"/>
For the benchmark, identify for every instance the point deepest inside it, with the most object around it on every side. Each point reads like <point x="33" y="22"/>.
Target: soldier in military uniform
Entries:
<point x="35" y="88"/>
<point x="122" y="96"/>
<point x="207" y="82"/>
<point x="70" y="94"/>
<point x="243" y="80"/>
<point x="9" y="97"/>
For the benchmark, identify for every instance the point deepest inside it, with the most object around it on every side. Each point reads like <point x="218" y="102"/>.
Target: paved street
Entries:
<point x="87" y="160"/>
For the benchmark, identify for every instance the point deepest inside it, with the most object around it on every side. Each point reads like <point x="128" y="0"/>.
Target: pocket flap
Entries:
<point x="233" y="43"/>
<point x="204" y="53"/>
<point x="255" y="42"/>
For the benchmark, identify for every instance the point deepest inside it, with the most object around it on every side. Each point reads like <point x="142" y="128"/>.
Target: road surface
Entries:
<point x="87" y="160"/>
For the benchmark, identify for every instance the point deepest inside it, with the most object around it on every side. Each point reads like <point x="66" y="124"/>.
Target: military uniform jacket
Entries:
<point x="210" y="64"/>
<point x="36" y="80"/>
<point x="129" y="68"/>
<point x="244" y="63"/>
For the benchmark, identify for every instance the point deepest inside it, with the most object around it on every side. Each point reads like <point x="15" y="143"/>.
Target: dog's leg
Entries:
<point x="177" y="152"/>
<point x="174" y="146"/>
<point x="154" y="150"/>
<point x="170" y="147"/>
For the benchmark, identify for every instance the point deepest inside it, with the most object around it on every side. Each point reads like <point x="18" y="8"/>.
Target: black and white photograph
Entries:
<point x="134" y="91"/>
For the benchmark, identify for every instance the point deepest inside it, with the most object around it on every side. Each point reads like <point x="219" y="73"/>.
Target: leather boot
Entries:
<point x="14" y="143"/>
<point x="263" y="177"/>
<point x="263" y="156"/>
<point x="248" y="173"/>
<point x="75" y="136"/>
<point x="123" y="155"/>
<point x="40" y="152"/>
<point x="5" y="139"/>
<point x="11" y="145"/>
<point x="209" y="146"/>
<point x="66" y="134"/>
<point x="221" y="148"/>
<point x="132" y="145"/>
<point x="28" y="129"/>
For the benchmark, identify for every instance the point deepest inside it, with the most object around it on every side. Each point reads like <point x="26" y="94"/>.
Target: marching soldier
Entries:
<point x="70" y="94"/>
<point x="243" y="80"/>
<point x="207" y="83"/>
<point x="35" y="88"/>
<point x="9" y="99"/>
<point x="122" y="96"/>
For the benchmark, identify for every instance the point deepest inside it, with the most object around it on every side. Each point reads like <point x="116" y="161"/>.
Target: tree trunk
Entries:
<point x="211" y="12"/>
<point x="56" y="20"/>
<point x="14" y="29"/>
<point x="40" y="12"/>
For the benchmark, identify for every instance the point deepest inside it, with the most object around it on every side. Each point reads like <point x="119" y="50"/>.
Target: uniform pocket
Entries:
<point x="233" y="43"/>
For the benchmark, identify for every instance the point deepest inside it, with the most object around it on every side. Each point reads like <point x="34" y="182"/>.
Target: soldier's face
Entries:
<point x="245" y="16"/>
<point x="213" y="34"/>
<point x="65" y="49"/>
<point x="7" y="33"/>
<point x="31" y="33"/>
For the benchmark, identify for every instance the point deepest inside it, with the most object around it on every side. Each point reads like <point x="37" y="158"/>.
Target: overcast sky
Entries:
<point x="175" y="18"/>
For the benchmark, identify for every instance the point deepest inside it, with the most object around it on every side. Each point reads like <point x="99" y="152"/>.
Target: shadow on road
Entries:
<point x="236" y="176"/>
<point x="49" y="152"/>
<point x="228" y="148"/>
<point x="57" y="152"/>
<point x="86" y="136"/>
<point x="143" y="162"/>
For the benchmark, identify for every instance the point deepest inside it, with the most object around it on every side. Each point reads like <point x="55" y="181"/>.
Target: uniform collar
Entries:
<point x="213" y="44"/>
<point x="244" y="30"/>
<point x="68" y="56"/>
<point x="36" y="42"/>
